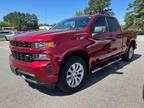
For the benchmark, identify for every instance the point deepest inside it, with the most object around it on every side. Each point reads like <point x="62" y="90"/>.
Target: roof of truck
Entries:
<point x="95" y="15"/>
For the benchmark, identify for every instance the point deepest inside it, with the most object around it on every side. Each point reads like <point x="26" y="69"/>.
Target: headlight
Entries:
<point x="41" y="57"/>
<point x="44" y="45"/>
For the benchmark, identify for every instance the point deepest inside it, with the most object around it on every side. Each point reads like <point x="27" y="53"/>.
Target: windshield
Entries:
<point x="77" y="23"/>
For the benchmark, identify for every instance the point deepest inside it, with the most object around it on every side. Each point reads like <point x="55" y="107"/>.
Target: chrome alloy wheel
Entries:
<point x="131" y="52"/>
<point x="75" y="75"/>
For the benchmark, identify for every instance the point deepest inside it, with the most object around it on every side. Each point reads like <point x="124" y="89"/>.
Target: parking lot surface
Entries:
<point x="117" y="86"/>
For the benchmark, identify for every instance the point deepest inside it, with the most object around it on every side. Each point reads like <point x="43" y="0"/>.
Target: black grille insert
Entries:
<point x="26" y="57"/>
<point x="21" y="44"/>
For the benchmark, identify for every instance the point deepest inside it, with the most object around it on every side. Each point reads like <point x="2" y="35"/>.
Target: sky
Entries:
<point x="53" y="11"/>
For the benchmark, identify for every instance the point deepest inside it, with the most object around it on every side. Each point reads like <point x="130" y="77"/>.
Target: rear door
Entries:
<point x="102" y="41"/>
<point x="116" y="35"/>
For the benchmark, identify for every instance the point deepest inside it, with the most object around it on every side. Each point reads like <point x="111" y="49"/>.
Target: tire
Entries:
<point x="6" y="38"/>
<point x="72" y="74"/>
<point x="128" y="56"/>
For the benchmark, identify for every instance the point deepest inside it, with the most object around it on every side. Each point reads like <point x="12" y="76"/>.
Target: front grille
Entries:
<point x="21" y="44"/>
<point x="26" y="57"/>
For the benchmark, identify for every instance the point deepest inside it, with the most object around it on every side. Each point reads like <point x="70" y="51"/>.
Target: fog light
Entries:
<point x="41" y="57"/>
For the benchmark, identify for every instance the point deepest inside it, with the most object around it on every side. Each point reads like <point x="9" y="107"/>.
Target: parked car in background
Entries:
<point x="140" y="33"/>
<point x="2" y="33"/>
<point x="71" y="50"/>
<point x="8" y="34"/>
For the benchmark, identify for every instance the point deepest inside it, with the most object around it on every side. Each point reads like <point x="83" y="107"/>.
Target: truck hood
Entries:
<point x="43" y="35"/>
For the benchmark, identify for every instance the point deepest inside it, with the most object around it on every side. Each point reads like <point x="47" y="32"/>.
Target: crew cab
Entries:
<point x="71" y="50"/>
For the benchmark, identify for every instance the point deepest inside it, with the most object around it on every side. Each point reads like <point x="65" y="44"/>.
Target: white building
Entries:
<point x="45" y="27"/>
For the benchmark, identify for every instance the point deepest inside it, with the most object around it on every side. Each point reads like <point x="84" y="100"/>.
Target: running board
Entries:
<point x="104" y="66"/>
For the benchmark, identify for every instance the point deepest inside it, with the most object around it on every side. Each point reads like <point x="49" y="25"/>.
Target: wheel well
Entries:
<point x="81" y="54"/>
<point x="133" y="43"/>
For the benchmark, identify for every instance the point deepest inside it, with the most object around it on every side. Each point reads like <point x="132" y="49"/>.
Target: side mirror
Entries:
<point x="99" y="29"/>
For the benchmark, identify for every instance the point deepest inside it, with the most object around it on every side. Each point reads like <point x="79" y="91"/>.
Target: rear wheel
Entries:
<point x="128" y="56"/>
<point x="72" y="74"/>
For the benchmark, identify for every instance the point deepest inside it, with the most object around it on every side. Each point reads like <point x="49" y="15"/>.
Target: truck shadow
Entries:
<point x="91" y="80"/>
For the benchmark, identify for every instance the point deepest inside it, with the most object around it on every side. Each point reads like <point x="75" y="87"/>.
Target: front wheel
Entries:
<point x="72" y="74"/>
<point x="128" y="56"/>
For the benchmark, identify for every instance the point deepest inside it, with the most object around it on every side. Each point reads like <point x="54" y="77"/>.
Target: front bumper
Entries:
<point x="38" y="72"/>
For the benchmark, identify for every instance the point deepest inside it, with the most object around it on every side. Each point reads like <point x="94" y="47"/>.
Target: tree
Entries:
<point x="79" y="13"/>
<point x="44" y="24"/>
<point x="3" y="24"/>
<point x="134" y="18"/>
<point x="98" y="6"/>
<point x="123" y="26"/>
<point x="22" y="21"/>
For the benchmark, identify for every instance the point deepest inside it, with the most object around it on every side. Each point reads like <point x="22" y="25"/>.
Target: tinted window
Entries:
<point x="100" y="22"/>
<point x="77" y="23"/>
<point x="113" y="25"/>
<point x="4" y="33"/>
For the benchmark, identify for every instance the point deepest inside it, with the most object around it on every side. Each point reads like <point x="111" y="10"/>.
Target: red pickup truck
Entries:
<point x="71" y="50"/>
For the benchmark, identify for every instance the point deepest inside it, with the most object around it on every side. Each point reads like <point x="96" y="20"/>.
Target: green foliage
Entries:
<point x="22" y="21"/>
<point x="134" y="18"/>
<point x="44" y="25"/>
<point x="2" y="38"/>
<point x="102" y="6"/>
<point x="79" y="13"/>
<point x="123" y="26"/>
<point x="3" y="24"/>
<point x="97" y="6"/>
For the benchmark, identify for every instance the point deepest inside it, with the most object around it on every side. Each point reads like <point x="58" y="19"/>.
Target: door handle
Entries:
<point x="119" y="36"/>
<point x="111" y="38"/>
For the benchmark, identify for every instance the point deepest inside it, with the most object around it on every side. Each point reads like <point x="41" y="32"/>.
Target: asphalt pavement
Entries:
<point x="117" y="86"/>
